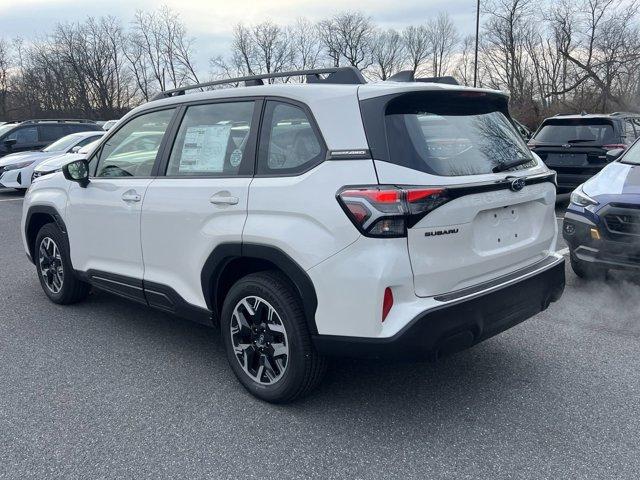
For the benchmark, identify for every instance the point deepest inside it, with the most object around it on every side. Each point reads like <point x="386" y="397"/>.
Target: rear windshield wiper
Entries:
<point x="503" y="166"/>
<point x="581" y="140"/>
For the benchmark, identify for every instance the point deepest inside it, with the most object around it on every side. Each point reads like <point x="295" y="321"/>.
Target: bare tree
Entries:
<point x="348" y="36"/>
<point x="417" y="45"/>
<point x="160" y="51"/>
<point x="443" y="39"/>
<point x="4" y="76"/>
<point x="600" y="39"/>
<point x="387" y="54"/>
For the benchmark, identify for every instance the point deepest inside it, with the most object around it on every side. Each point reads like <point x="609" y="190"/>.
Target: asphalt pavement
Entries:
<point x="110" y="389"/>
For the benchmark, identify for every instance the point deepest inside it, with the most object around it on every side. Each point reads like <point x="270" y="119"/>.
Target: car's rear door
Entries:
<point x="482" y="226"/>
<point x="199" y="200"/>
<point x="103" y="219"/>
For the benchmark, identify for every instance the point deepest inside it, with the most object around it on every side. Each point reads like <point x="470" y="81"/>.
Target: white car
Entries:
<point x="395" y="219"/>
<point x="56" y="163"/>
<point x="16" y="169"/>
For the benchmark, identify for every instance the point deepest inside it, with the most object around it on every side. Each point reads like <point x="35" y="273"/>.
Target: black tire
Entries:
<point x="586" y="270"/>
<point x="304" y="366"/>
<point x="71" y="288"/>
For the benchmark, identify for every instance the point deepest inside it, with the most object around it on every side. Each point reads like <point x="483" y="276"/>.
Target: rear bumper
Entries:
<point x="457" y="324"/>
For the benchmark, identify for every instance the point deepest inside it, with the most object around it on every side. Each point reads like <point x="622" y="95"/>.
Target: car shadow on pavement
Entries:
<point x="10" y="193"/>
<point x="371" y="386"/>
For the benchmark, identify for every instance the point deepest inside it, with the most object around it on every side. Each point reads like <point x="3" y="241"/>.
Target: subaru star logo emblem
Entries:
<point x="518" y="184"/>
<point x="567" y="145"/>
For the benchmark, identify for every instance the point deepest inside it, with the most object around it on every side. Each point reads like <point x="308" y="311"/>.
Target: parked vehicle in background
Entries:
<point x="16" y="169"/>
<point x="56" y="163"/>
<point x="576" y="146"/>
<point x="602" y="223"/>
<point x="109" y="124"/>
<point x="396" y="219"/>
<point x="37" y="134"/>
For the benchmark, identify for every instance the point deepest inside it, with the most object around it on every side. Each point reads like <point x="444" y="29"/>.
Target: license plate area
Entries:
<point x="566" y="159"/>
<point x="502" y="228"/>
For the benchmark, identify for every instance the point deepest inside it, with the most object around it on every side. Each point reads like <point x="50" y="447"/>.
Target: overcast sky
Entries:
<point x="211" y="21"/>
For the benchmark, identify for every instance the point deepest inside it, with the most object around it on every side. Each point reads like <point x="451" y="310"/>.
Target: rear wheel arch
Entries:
<point x="230" y="262"/>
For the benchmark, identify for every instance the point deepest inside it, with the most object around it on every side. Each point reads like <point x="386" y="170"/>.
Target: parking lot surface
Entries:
<point x="110" y="389"/>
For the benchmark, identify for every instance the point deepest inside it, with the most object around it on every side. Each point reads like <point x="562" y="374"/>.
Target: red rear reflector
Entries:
<point x="387" y="303"/>
<point x="614" y="146"/>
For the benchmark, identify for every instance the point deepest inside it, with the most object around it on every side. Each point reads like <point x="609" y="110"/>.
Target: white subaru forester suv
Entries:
<point x="397" y="219"/>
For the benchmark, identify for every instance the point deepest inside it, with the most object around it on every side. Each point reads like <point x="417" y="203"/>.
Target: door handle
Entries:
<point x="131" y="196"/>
<point x="224" y="198"/>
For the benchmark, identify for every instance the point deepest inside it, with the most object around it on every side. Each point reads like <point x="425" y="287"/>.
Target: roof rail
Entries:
<point x="338" y="75"/>
<point x="57" y="120"/>
<point x="615" y="114"/>
<point x="409" y="76"/>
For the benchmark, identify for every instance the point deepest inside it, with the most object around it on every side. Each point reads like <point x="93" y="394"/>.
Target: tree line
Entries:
<point x="555" y="56"/>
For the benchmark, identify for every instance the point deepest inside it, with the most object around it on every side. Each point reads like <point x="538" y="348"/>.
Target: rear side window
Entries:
<point x="574" y="132"/>
<point x="449" y="134"/>
<point x="51" y="133"/>
<point x="629" y="131"/>
<point x="289" y="143"/>
<point x="212" y="140"/>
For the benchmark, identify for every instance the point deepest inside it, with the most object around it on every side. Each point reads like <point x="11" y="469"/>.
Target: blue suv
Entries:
<point x="602" y="223"/>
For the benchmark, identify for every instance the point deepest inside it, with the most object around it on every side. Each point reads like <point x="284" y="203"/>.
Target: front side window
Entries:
<point x="24" y="136"/>
<point x="212" y="140"/>
<point x="132" y="150"/>
<point x="288" y="142"/>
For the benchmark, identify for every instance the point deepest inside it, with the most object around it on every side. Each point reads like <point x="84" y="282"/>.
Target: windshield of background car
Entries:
<point x="585" y="132"/>
<point x="452" y="134"/>
<point x="5" y="128"/>
<point x="62" y="145"/>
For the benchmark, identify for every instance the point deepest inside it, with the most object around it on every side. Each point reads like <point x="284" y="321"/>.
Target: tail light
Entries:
<point x="388" y="211"/>
<point x="614" y="146"/>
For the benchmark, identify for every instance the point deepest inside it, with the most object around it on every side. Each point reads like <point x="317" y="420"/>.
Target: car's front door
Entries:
<point x="201" y="201"/>
<point x="103" y="219"/>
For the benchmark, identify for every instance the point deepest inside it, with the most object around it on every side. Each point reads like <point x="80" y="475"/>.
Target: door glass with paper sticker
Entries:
<point x="212" y="140"/>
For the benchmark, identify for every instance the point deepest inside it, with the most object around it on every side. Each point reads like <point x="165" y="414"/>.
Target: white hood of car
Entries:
<point x="20" y="157"/>
<point x="59" y="161"/>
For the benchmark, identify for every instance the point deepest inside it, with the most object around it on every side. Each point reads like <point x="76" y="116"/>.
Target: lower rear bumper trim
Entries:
<point x="457" y="325"/>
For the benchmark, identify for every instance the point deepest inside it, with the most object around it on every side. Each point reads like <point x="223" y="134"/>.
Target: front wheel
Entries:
<point x="266" y="339"/>
<point x="55" y="272"/>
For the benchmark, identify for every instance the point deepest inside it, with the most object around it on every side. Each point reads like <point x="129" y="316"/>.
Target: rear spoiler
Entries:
<point x="409" y="76"/>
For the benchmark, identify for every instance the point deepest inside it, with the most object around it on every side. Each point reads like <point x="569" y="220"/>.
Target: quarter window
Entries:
<point x="212" y="140"/>
<point x="288" y="142"/>
<point x="132" y="150"/>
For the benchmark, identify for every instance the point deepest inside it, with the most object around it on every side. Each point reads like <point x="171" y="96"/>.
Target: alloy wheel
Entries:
<point x="51" y="267"/>
<point x="259" y="340"/>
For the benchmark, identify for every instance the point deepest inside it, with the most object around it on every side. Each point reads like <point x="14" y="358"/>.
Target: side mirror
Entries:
<point x="77" y="171"/>
<point x="75" y="149"/>
<point x="613" y="154"/>
<point x="10" y="143"/>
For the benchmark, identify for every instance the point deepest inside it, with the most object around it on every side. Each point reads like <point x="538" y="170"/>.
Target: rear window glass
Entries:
<point x="585" y="131"/>
<point x="452" y="134"/>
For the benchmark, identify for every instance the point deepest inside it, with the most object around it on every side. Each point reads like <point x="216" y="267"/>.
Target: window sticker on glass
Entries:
<point x="204" y="148"/>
